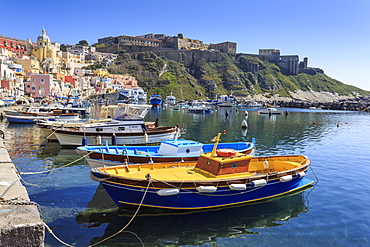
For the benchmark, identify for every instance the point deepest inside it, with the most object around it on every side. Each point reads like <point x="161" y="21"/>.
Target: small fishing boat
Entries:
<point x="270" y="111"/>
<point x="170" y="100"/>
<point x="155" y="100"/>
<point x="227" y="101"/>
<point x="255" y="104"/>
<point x="199" y="107"/>
<point x="126" y="128"/>
<point x="219" y="178"/>
<point x="25" y="119"/>
<point x="167" y="151"/>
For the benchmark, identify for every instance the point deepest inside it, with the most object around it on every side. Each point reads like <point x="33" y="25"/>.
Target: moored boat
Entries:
<point x="227" y="101"/>
<point x="170" y="100"/>
<point x="155" y="100"/>
<point x="167" y="151"/>
<point x="270" y="111"/>
<point x="24" y="119"/>
<point x="126" y="128"/>
<point x="219" y="178"/>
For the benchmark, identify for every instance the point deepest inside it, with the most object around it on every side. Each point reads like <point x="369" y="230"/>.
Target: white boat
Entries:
<point x="226" y="101"/>
<point x="126" y="128"/>
<point x="270" y="111"/>
<point x="255" y="104"/>
<point x="170" y="100"/>
<point x="54" y="110"/>
<point x="135" y="95"/>
<point x="199" y="107"/>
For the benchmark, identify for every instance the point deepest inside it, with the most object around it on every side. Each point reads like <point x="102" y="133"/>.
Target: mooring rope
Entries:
<point x="52" y="233"/>
<point x="56" y="128"/>
<point x="132" y="218"/>
<point x="47" y="171"/>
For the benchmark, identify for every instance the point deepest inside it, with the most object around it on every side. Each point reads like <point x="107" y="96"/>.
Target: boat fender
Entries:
<point x="259" y="183"/>
<point x="226" y="152"/>
<point x="207" y="189"/>
<point x="301" y="174"/>
<point x="84" y="141"/>
<point x="114" y="139"/>
<point x="98" y="140"/>
<point x="237" y="186"/>
<point x="286" y="178"/>
<point x="168" y="192"/>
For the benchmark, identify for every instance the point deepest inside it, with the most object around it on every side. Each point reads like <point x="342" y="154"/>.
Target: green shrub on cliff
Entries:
<point x="245" y="75"/>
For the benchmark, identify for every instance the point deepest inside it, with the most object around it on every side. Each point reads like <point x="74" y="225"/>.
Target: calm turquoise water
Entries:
<point x="336" y="212"/>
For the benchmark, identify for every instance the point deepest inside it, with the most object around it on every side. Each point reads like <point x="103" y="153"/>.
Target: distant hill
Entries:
<point x="201" y="77"/>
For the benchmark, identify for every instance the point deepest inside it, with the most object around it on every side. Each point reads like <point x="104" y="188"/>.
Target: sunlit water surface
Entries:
<point x="333" y="213"/>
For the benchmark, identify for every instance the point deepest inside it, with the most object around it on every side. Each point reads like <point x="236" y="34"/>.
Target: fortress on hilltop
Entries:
<point x="186" y="51"/>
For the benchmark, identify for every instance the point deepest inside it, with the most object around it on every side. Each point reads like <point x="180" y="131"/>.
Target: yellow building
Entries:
<point x="30" y="65"/>
<point x="101" y="72"/>
<point x="48" y="53"/>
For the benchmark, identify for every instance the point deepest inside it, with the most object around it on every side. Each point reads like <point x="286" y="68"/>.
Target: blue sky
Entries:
<point x="333" y="34"/>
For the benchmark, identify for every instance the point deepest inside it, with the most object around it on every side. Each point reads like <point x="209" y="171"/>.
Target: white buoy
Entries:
<point x="244" y="124"/>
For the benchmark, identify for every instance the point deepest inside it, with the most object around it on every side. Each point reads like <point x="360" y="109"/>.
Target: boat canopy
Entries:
<point x="131" y="111"/>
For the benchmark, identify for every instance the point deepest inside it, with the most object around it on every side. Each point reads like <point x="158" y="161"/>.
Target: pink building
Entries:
<point x="41" y="85"/>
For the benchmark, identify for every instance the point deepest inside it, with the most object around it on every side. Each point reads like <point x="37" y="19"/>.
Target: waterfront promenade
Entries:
<point x="20" y="219"/>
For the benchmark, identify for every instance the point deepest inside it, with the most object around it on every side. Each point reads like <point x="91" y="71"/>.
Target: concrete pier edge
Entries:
<point x="20" y="219"/>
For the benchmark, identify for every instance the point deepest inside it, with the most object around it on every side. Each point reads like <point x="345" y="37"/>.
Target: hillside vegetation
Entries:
<point x="158" y="75"/>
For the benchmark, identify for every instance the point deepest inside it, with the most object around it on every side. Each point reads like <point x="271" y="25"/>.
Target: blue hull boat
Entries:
<point x="155" y="100"/>
<point x="213" y="181"/>
<point x="167" y="151"/>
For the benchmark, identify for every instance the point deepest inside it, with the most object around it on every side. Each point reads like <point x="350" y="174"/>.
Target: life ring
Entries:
<point x="226" y="152"/>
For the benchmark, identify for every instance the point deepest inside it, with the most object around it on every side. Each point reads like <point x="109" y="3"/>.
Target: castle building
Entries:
<point x="227" y="47"/>
<point x="290" y="63"/>
<point x="130" y="41"/>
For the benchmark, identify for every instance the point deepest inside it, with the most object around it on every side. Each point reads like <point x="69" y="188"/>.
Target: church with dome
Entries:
<point x="47" y="53"/>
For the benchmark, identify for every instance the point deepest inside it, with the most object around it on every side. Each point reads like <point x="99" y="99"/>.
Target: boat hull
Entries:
<point x="153" y="135"/>
<point x="190" y="198"/>
<point x="146" y="154"/>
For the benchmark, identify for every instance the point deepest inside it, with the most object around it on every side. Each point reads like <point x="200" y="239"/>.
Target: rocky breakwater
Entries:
<point x="307" y="99"/>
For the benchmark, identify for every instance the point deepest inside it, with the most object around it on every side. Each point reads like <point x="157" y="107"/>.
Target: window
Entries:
<point x="42" y="81"/>
<point x="5" y="43"/>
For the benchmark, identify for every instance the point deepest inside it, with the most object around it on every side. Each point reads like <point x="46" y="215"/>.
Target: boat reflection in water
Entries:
<point x="157" y="227"/>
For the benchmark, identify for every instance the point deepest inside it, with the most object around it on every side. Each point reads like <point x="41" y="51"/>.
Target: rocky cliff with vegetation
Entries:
<point x="206" y="74"/>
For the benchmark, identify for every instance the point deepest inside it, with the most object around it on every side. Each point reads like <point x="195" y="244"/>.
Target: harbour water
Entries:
<point x="335" y="212"/>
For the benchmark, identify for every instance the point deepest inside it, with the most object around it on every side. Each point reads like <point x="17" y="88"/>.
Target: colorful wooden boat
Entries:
<point x="213" y="181"/>
<point x="167" y="151"/>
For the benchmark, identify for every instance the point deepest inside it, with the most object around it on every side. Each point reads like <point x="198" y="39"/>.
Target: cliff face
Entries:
<point x="201" y="74"/>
